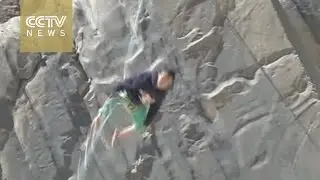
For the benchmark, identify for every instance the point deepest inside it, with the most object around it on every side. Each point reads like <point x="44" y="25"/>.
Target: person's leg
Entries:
<point x="103" y="113"/>
<point x="138" y="117"/>
<point x="123" y="133"/>
<point x="126" y="131"/>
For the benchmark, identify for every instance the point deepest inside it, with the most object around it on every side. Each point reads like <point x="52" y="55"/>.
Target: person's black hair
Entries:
<point x="171" y="72"/>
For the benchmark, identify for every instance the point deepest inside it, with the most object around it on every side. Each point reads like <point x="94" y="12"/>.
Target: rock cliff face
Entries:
<point x="245" y="104"/>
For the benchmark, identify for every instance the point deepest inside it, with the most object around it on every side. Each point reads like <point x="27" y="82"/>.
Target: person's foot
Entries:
<point x="114" y="137"/>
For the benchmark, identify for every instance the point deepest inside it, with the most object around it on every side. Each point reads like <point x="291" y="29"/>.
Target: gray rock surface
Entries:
<point x="309" y="10"/>
<point x="8" y="9"/>
<point x="245" y="104"/>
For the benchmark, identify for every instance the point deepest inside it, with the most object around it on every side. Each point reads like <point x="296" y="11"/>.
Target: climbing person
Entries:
<point x="142" y="95"/>
<point x="146" y="91"/>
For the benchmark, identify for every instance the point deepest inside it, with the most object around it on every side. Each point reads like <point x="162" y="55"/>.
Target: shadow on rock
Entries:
<point x="6" y="115"/>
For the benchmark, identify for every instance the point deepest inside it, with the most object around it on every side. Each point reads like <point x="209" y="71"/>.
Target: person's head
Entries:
<point x="165" y="79"/>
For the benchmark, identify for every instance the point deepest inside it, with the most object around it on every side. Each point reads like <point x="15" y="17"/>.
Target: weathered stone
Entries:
<point x="8" y="9"/>
<point x="33" y="139"/>
<point x="8" y="77"/>
<point x="266" y="40"/>
<point x="54" y="95"/>
<point x="23" y="64"/>
<point x="285" y="73"/>
<point x="304" y="105"/>
<point x="4" y="136"/>
<point x="301" y="38"/>
<point x="235" y="59"/>
<point x="6" y="113"/>
<point x="12" y="160"/>
<point x="192" y="22"/>
<point x="259" y="120"/>
<point x="310" y="11"/>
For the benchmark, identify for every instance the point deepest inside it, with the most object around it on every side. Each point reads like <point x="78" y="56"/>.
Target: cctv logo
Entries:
<point x="45" y="26"/>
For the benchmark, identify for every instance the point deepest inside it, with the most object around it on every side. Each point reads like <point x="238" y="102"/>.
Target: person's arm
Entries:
<point x="153" y="114"/>
<point x="127" y="84"/>
<point x="152" y="117"/>
<point x="133" y="84"/>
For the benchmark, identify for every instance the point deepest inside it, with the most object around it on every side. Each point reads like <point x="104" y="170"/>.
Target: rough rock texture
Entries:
<point x="309" y="10"/>
<point x="245" y="104"/>
<point x="8" y="9"/>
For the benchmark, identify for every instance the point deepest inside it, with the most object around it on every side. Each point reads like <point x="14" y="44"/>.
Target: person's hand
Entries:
<point x="146" y="98"/>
